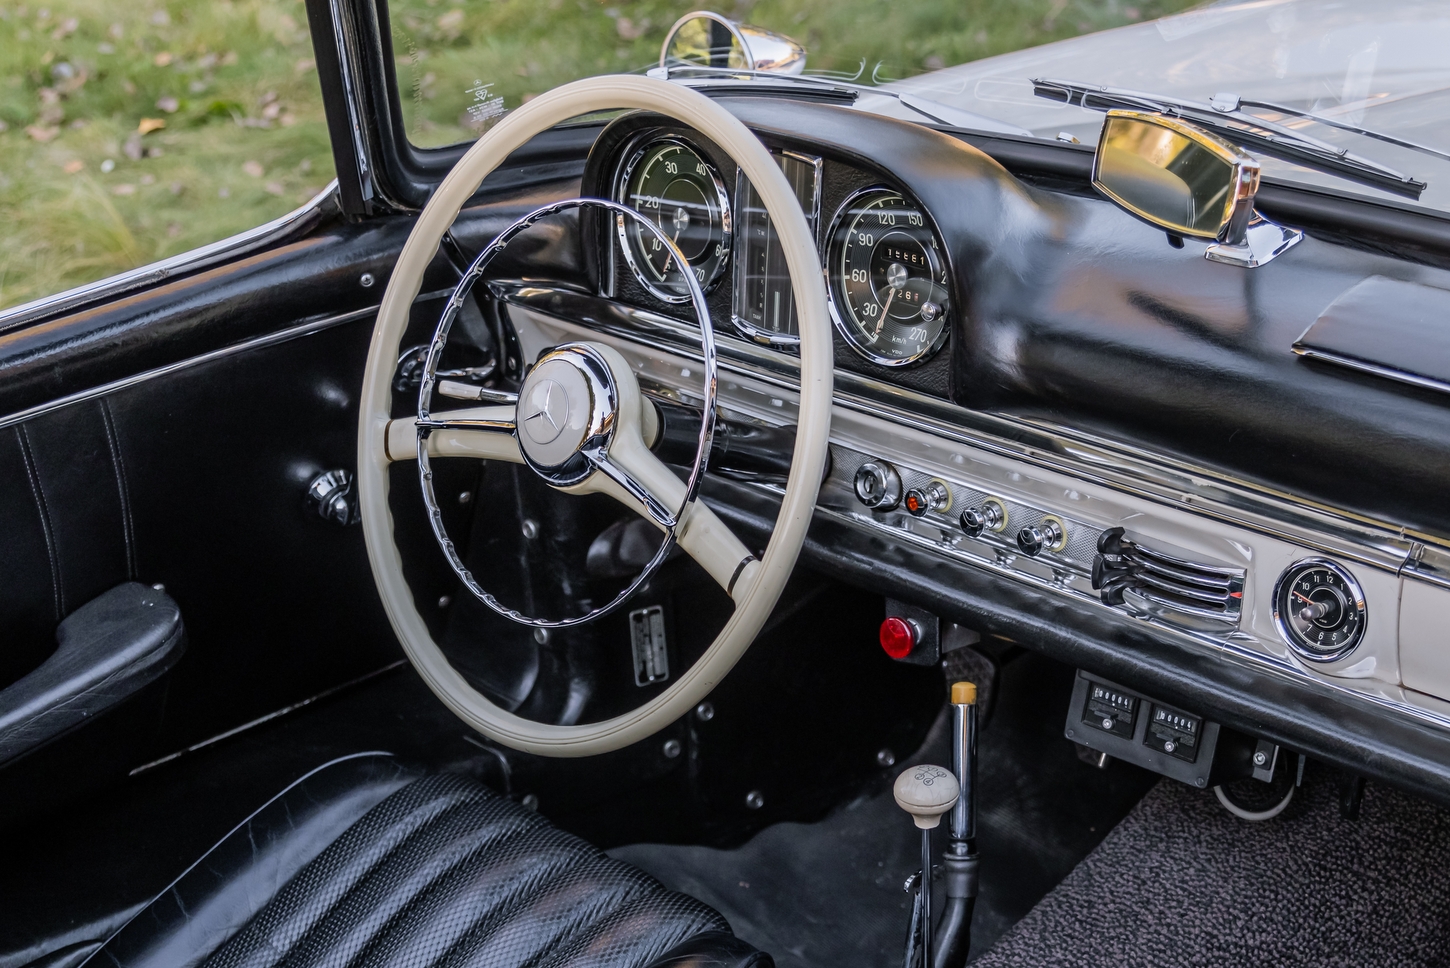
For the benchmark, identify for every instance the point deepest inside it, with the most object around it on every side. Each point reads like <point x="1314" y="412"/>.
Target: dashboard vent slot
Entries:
<point x="1184" y="592"/>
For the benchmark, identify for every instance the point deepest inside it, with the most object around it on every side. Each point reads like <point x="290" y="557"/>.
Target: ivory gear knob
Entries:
<point x="926" y="792"/>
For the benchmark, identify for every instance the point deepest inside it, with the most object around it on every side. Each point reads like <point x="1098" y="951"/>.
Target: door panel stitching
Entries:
<point x="45" y="526"/>
<point x="128" y="527"/>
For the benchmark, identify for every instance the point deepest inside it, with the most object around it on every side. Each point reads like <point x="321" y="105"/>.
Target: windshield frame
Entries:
<point x="403" y="175"/>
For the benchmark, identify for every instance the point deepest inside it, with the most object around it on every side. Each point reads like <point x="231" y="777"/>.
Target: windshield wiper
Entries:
<point x="1224" y="115"/>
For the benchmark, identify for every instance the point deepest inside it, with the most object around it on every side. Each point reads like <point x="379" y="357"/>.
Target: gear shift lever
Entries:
<point x="926" y="792"/>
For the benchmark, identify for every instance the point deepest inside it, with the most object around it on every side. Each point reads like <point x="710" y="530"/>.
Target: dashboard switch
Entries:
<point x="878" y="485"/>
<point x="1034" y="539"/>
<point x="991" y="516"/>
<point x="932" y="496"/>
<point x="898" y="637"/>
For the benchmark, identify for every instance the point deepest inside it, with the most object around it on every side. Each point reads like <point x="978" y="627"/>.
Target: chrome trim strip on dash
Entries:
<point x="1374" y="369"/>
<point x="1155" y="477"/>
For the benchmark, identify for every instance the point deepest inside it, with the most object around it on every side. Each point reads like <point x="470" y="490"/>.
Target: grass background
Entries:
<point x="132" y="132"/>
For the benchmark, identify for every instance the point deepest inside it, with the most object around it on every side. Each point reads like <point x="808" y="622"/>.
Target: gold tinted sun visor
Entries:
<point x="1176" y="176"/>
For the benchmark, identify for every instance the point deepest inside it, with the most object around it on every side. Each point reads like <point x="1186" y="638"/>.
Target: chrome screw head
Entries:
<point x="367" y="280"/>
<point x="885" y="757"/>
<point x="531" y="528"/>
<point x="704" y="712"/>
<point x="671" y="749"/>
<point x="754" y="800"/>
<point x="1260" y="758"/>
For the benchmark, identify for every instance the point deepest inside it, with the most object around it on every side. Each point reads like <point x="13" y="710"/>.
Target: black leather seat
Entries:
<point x="364" y="863"/>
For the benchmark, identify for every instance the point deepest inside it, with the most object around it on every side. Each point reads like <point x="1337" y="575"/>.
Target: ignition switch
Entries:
<point x="878" y="485"/>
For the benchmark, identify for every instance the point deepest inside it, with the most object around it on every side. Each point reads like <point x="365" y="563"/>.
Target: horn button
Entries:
<point x="560" y="407"/>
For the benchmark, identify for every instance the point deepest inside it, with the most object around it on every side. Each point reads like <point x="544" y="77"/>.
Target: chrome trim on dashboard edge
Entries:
<point x="1208" y="492"/>
<point x="1209" y="495"/>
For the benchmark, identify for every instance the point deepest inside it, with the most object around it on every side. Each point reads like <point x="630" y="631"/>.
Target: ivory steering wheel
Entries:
<point x="598" y="383"/>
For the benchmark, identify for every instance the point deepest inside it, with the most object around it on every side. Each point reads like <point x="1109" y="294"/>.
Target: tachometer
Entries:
<point x="672" y="185"/>
<point x="888" y="279"/>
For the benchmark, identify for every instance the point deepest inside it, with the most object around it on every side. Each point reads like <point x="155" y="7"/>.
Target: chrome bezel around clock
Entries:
<point x="847" y="332"/>
<point x="1287" y="632"/>
<point x="634" y="153"/>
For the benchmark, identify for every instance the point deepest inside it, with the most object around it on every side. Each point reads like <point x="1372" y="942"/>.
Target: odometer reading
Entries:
<point x="888" y="279"/>
<point x="1319" y="609"/>
<point x="669" y="183"/>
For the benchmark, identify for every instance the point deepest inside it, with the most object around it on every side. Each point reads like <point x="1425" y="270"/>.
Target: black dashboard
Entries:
<point x="1106" y="447"/>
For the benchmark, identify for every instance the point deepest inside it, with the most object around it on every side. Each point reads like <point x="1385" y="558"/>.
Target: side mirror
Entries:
<point x="705" y="39"/>
<point x="1176" y="176"/>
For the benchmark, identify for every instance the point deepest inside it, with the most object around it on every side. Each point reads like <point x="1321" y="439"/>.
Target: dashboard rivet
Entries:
<point x="755" y="799"/>
<point x="444" y="601"/>
<point x="885" y="757"/>
<point x="704" y="712"/>
<point x="530" y="528"/>
<point x="465" y="497"/>
<point x="541" y="636"/>
<point x="671" y="749"/>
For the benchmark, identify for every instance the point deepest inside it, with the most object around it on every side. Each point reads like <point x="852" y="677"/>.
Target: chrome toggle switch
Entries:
<point x="991" y="516"/>
<point x="1034" y="539"/>
<point x="878" y="485"/>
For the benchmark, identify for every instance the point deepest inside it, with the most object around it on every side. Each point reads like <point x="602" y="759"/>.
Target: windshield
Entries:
<point x="460" y="64"/>
<point x="1376" y="64"/>
<point x="1369" y="63"/>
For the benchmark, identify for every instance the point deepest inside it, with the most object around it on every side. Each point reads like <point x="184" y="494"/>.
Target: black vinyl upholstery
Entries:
<point x="363" y="863"/>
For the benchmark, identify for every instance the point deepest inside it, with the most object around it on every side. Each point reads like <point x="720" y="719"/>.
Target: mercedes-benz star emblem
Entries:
<point x="547" y="413"/>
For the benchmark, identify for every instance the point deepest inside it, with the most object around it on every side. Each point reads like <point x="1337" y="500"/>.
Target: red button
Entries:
<point x="898" y="637"/>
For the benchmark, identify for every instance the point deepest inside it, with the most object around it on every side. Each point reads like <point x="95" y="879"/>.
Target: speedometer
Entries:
<point x="668" y="182"/>
<point x="888" y="277"/>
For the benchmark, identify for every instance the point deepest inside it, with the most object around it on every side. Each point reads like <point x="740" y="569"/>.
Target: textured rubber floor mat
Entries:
<point x="1181" y="882"/>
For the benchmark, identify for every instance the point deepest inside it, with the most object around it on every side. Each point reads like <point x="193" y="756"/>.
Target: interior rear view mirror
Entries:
<point x="705" y="39"/>
<point x="1176" y="176"/>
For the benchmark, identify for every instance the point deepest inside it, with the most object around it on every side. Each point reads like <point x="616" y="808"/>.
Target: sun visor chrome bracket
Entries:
<point x="1263" y="242"/>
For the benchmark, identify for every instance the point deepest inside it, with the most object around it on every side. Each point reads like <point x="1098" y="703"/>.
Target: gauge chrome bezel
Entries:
<point x="1281" y="621"/>
<point x="634" y="153"/>
<point x="836" y="314"/>
<point x="813" y="216"/>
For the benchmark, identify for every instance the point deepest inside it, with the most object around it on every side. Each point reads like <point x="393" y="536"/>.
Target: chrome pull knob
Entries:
<point x="878" y="485"/>
<point x="932" y="496"/>
<point x="991" y="516"/>
<point x="1049" y="535"/>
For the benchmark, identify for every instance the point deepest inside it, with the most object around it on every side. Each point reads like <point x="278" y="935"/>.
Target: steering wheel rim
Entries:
<point x="760" y="585"/>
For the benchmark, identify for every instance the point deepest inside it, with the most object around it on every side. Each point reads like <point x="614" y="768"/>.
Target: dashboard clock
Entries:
<point x="888" y="277"/>
<point x="1319" y="609"/>
<point x="670" y="183"/>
